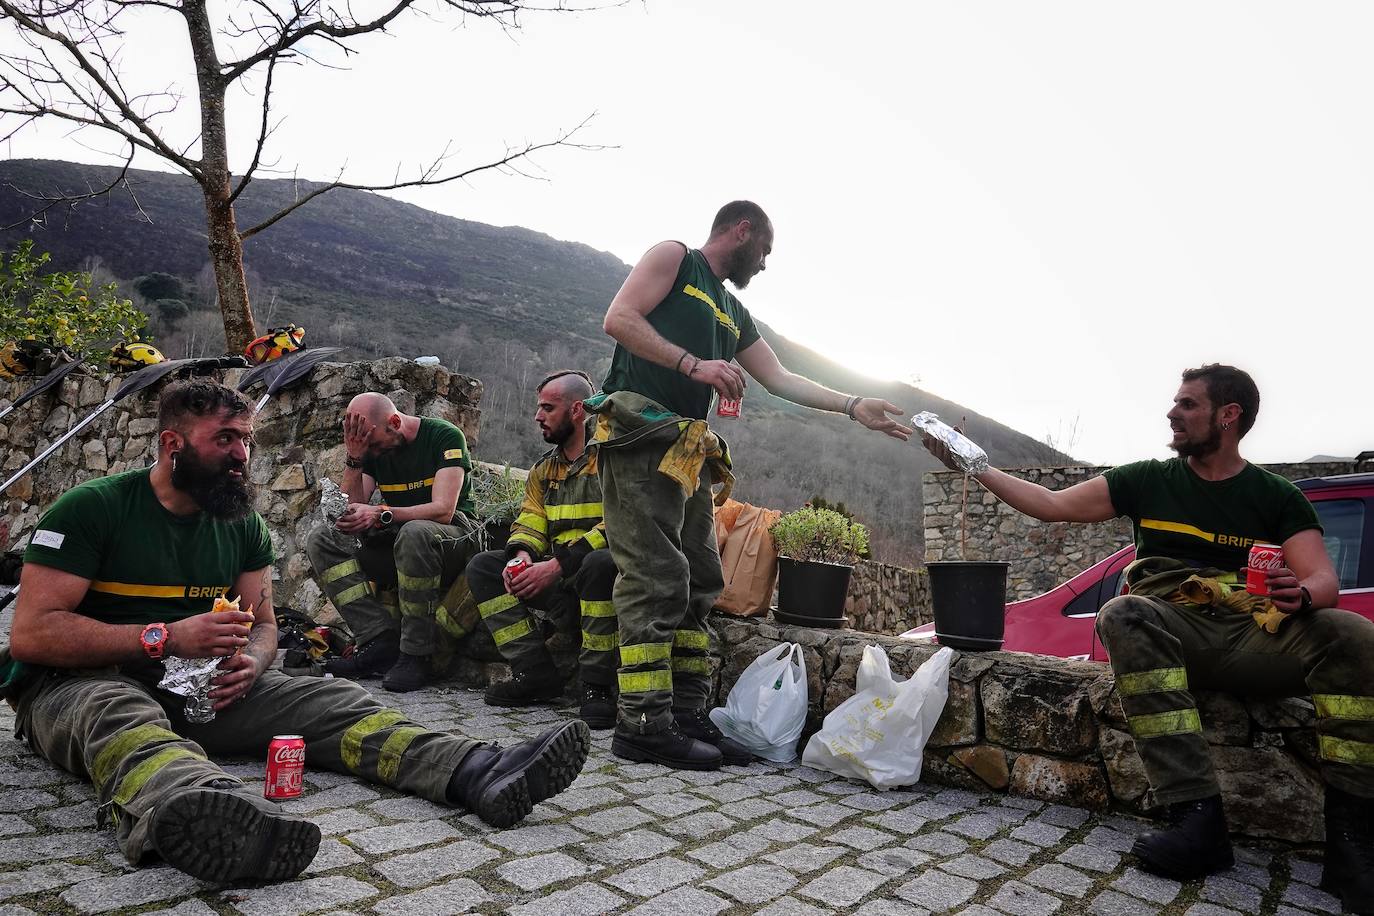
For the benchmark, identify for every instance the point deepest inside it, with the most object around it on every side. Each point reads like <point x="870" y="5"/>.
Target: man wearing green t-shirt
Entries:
<point x="1188" y="622"/>
<point x="123" y="572"/>
<point x="677" y="330"/>
<point x="416" y="541"/>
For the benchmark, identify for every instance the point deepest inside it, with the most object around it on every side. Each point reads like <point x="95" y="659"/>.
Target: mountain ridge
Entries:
<point x="500" y="303"/>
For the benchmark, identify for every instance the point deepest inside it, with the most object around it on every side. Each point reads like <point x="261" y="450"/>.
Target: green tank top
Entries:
<point x="698" y="314"/>
<point x="405" y="475"/>
<point x="145" y="564"/>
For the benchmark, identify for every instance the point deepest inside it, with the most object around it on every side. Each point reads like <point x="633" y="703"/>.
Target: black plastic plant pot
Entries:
<point x="970" y="601"/>
<point x="814" y="591"/>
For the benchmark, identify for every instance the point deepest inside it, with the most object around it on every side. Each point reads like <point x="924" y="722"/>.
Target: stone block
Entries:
<point x="1225" y="719"/>
<point x="987" y="762"/>
<point x="1125" y="772"/>
<point x="1066" y="781"/>
<point x="958" y="724"/>
<point x="1269" y="793"/>
<point x="1038" y="706"/>
<point x="290" y="479"/>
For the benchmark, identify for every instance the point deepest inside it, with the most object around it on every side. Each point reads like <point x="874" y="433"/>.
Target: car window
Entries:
<point x="1086" y="604"/>
<point x="1342" y="529"/>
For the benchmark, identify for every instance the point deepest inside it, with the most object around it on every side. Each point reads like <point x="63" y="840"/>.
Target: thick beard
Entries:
<point x="559" y="434"/>
<point x="218" y="495"/>
<point x="1200" y="449"/>
<point x="737" y="270"/>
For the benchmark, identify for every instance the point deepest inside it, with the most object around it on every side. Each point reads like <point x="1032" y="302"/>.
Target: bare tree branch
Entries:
<point x="431" y="174"/>
<point x="72" y="201"/>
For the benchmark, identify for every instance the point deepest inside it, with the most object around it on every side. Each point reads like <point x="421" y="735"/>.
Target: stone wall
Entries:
<point x="299" y="441"/>
<point x="1041" y="554"/>
<point x="887" y="599"/>
<point x="1053" y="729"/>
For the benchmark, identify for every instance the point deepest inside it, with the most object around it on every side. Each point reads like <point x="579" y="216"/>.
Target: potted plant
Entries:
<point x="817" y="549"/>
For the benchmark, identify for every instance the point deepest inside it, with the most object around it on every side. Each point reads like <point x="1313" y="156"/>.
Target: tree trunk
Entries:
<point x="226" y="249"/>
<point x="226" y="254"/>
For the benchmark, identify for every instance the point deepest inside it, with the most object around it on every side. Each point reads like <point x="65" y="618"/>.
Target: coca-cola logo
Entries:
<point x="1266" y="560"/>
<point x="288" y="754"/>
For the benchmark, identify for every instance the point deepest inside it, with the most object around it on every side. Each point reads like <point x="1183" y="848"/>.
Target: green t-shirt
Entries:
<point x="1179" y="515"/>
<point x="145" y="564"/>
<point x="699" y="314"/>
<point x="406" y="475"/>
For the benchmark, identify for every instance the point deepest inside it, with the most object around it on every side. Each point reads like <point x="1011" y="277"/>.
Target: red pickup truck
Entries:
<point x="1060" y="622"/>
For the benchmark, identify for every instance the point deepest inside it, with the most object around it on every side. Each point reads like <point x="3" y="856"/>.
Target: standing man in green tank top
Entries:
<point x="677" y="329"/>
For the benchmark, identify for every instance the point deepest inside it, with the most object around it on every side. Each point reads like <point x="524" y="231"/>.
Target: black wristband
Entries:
<point x="355" y="463"/>
<point x="849" y="407"/>
<point x="678" y="367"/>
<point x="1306" y="604"/>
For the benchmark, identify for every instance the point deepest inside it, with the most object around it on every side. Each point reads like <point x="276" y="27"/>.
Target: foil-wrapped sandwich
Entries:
<point x="966" y="453"/>
<point x="191" y="677"/>
<point x="333" y="500"/>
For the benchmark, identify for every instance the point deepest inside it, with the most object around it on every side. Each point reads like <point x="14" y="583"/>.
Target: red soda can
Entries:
<point x="728" y="407"/>
<point x="516" y="566"/>
<point x="285" y="767"/>
<point x="1264" y="559"/>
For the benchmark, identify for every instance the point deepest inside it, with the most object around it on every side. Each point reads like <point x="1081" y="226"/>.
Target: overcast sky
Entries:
<point x="1043" y="211"/>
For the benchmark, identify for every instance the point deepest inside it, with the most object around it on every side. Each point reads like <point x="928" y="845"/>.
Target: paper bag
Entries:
<point x="748" y="558"/>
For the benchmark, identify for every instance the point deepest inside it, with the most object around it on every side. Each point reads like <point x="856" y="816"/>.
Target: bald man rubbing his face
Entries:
<point x="386" y="565"/>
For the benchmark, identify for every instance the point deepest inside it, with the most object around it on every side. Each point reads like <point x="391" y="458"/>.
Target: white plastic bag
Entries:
<point x="766" y="709"/>
<point x="878" y="735"/>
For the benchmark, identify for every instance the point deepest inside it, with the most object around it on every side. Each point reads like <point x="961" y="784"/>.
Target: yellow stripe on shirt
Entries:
<point x="402" y="487"/>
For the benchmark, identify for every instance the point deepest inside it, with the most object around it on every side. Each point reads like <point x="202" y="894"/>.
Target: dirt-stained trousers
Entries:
<point x="134" y="744"/>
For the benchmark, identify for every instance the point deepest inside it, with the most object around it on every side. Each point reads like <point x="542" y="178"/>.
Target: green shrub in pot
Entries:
<point x="817" y="549"/>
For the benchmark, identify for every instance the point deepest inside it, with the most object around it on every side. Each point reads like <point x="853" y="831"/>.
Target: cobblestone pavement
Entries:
<point x="638" y="838"/>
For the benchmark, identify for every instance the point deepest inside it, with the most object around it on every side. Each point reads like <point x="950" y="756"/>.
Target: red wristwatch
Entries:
<point x="154" y="638"/>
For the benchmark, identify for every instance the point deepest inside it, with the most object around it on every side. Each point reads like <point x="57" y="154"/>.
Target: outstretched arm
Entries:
<point x="1089" y="501"/>
<point x="762" y="363"/>
<point x="627" y="321"/>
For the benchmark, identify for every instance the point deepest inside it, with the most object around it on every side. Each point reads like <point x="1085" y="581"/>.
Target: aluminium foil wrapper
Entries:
<point x="969" y="455"/>
<point x="333" y="500"/>
<point x="190" y="678"/>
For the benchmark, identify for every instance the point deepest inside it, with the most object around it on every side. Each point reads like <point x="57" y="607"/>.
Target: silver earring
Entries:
<point x="174" y="462"/>
<point x="1223" y="426"/>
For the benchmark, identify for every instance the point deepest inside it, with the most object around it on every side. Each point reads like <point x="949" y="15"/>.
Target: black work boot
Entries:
<point x="526" y="688"/>
<point x="598" y="706"/>
<point x="225" y="835"/>
<point x="696" y="723"/>
<point x="372" y="659"/>
<point x="1349" y="869"/>
<point x="1194" y="845"/>
<point x="669" y="747"/>
<point x="411" y="672"/>
<point x="502" y="785"/>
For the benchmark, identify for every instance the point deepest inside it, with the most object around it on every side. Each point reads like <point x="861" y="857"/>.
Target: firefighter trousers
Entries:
<point x="664" y="545"/>
<point x="133" y="742"/>
<point x="1160" y="651"/>
<point x="585" y="595"/>
<point x="395" y="583"/>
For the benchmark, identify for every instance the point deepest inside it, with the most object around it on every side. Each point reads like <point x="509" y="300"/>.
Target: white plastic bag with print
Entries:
<point x="766" y="709"/>
<point x="879" y="734"/>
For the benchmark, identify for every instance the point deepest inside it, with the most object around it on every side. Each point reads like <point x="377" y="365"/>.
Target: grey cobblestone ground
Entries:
<point x="640" y="839"/>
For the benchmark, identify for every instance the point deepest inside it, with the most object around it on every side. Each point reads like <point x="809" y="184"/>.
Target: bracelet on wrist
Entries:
<point x="849" y="406"/>
<point x="355" y="463"/>
<point x="696" y="361"/>
<point x="678" y="367"/>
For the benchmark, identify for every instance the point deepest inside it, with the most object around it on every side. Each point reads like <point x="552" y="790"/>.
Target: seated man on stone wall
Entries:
<point x="1188" y="622"/>
<point x="124" y="571"/>
<point x="570" y="574"/>
<point x="386" y="566"/>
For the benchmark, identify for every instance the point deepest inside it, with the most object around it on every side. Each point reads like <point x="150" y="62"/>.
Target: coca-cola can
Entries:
<point x="1264" y="559"/>
<point x="285" y="767"/>
<point x="516" y="566"/>
<point x="728" y="407"/>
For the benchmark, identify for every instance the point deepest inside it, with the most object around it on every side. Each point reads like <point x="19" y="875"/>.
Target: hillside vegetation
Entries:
<point x="502" y="304"/>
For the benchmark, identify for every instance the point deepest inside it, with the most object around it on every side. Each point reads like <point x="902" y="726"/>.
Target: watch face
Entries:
<point x="153" y="637"/>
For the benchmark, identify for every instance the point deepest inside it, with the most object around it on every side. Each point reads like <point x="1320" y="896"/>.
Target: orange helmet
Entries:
<point x="275" y="344"/>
